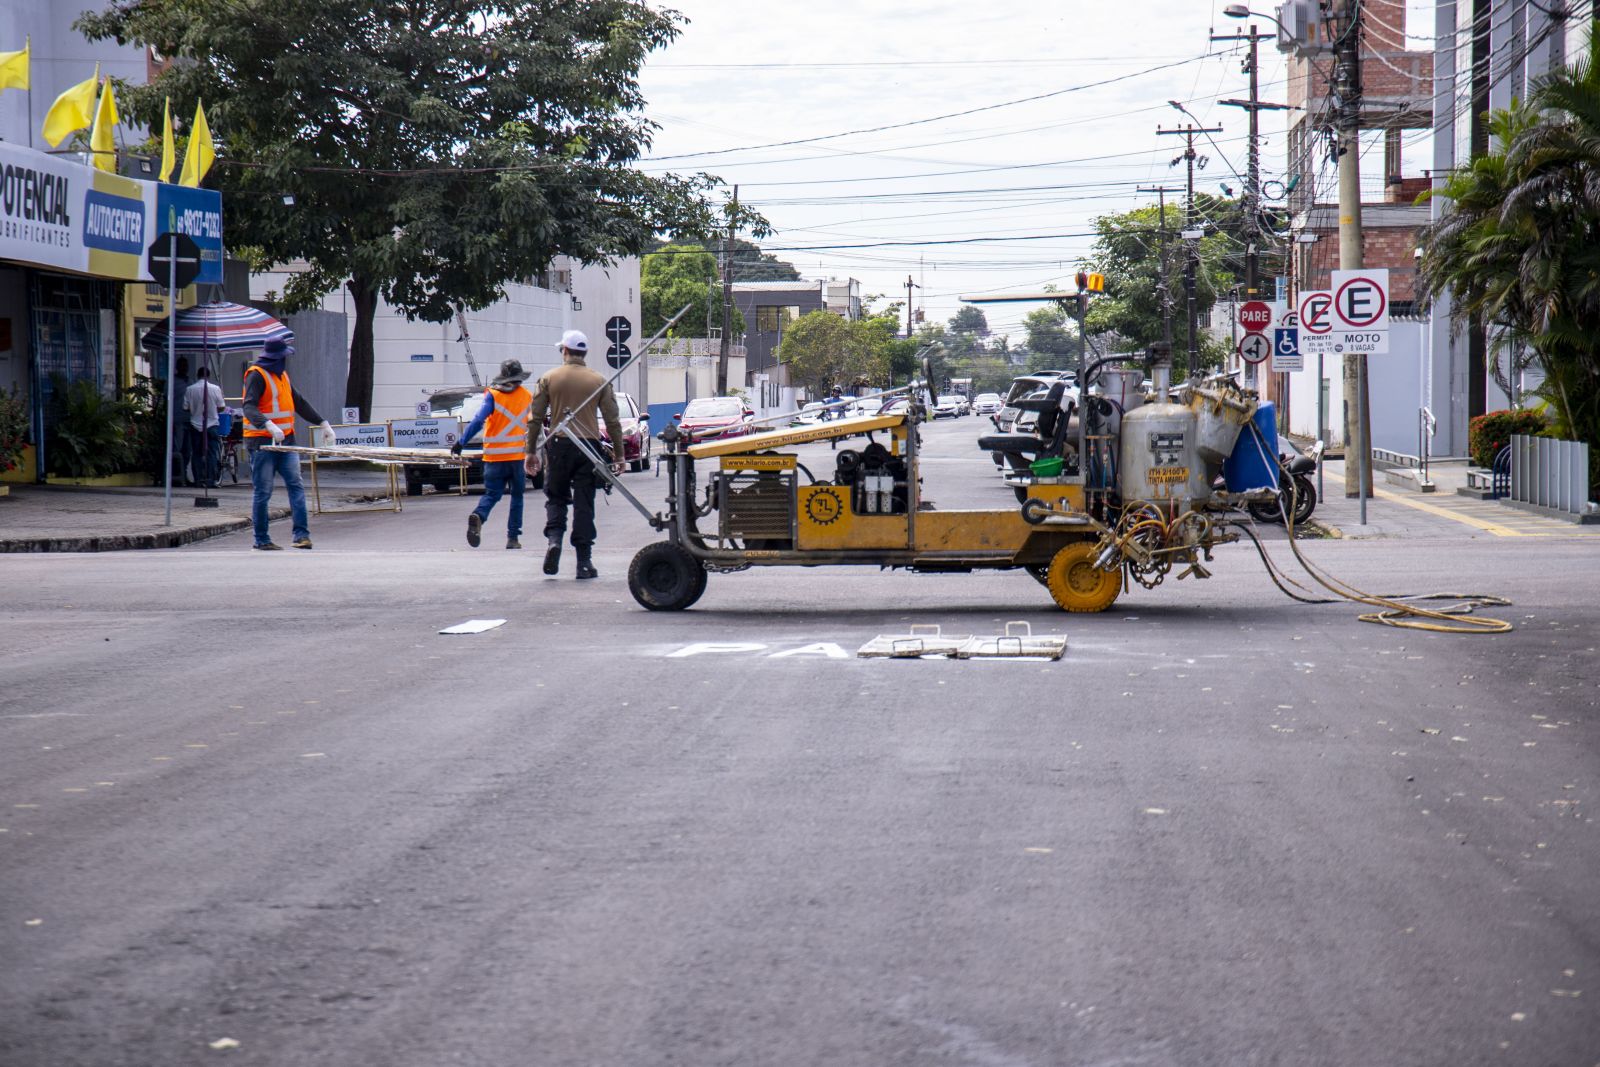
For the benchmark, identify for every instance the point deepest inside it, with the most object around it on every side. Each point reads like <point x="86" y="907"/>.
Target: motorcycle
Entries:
<point x="1297" y="489"/>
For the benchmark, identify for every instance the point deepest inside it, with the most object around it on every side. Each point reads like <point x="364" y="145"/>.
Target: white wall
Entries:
<point x="1394" y="389"/>
<point x="527" y="326"/>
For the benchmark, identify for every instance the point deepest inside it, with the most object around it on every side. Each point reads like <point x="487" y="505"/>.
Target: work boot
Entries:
<point x="586" y="565"/>
<point x="303" y="542"/>
<point x="552" y="556"/>
<point x="512" y="542"/>
<point x="269" y="547"/>
<point x="474" y="529"/>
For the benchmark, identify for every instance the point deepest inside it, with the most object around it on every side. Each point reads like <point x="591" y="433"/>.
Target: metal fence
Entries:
<point x="1550" y="474"/>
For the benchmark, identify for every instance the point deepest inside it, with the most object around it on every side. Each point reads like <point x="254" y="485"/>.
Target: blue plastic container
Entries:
<point x="1254" y="462"/>
<point x="224" y="422"/>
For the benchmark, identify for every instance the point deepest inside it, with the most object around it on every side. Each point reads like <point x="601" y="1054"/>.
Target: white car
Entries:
<point x="867" y="405"/>
<point x="987" y="403"/>
<point x="810" y="415"/>
<point x="948" y="407"/>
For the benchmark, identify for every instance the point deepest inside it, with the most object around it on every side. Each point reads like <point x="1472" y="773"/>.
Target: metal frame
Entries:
<point x="316" y="489"/>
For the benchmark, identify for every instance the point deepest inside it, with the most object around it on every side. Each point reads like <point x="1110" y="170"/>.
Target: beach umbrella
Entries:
<point x="220" y="327"/>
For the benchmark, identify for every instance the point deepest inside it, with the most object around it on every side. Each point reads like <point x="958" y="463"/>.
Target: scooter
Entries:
<point x="1297" y="490"/>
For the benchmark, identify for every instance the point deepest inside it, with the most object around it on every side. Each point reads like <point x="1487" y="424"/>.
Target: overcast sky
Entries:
<point x="746" y="75"/>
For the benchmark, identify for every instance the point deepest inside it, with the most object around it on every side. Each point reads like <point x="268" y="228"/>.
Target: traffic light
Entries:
<point x="1089" y="282"/>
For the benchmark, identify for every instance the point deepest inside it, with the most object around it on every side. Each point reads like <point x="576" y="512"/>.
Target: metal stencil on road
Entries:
<point x="1018" y="642"/>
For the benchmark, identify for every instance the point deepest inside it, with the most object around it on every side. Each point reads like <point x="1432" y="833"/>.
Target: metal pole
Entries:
<point x="172" y="355"/>
<point x="725" y="352"/>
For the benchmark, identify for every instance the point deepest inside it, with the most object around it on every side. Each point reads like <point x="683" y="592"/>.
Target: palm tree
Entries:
<point x="1520" y="247"/>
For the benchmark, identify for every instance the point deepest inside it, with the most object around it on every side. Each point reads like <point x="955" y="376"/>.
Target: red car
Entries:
<point x="635" y="433"/>
<point x="716" y="416"/>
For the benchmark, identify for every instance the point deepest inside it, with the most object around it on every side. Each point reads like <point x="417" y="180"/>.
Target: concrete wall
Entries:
<point x="414" y="358"/>
<point x="60" y="59"/>
<point x="1394" y="389"/>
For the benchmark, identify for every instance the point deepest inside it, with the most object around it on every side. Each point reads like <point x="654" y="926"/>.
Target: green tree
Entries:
<point x="675" y="275"/>
<point x="1052" y="338"/>
<point x="434" y="149"/>
<point x="970" y="320"/>
<point x="1519" y="248"/>
<point x="824" y="350"/>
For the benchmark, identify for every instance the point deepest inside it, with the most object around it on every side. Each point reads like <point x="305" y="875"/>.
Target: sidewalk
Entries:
<point x="1397" y="510"/>
<point x="41" y="518"/>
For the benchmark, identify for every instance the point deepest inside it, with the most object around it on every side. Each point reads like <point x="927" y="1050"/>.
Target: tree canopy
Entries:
<point x="675" y="275"/>
<point x="434" y="149"/>
<point x="823" y="350"/>
<point x="1519" y="249"/>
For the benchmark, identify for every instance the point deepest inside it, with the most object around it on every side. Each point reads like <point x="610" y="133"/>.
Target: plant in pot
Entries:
<point x="89" y="435"/>
<point x="13" y="430"/>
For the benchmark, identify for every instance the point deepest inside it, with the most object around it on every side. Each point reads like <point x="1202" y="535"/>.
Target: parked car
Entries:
<point x="810" y="415"/>
<point x="987" y="403"/>
<point x="635" y="433"/>
<point x="716" y="416"/>
<point x="867" y="405"/>
<point x="1021" y="387"/>
<point x="947" y="407"/>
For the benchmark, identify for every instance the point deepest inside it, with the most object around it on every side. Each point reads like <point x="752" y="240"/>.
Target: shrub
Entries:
<point x="1489" y="433"/>
<point x="13" y="429"/>
<point x="89" y="437"/>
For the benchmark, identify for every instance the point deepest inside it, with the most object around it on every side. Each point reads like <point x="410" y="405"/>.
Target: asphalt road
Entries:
<point x="256" y="799"/>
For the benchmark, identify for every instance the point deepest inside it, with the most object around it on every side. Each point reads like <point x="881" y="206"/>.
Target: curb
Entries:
<point x="126" y="542"/>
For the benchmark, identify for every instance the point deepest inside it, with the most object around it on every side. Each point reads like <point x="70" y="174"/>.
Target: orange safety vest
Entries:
<point x="277" y="402"/>
<point x="505" y="432"/>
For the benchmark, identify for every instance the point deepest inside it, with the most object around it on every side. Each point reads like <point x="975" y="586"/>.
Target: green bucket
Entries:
<point x="1049" y="467"/>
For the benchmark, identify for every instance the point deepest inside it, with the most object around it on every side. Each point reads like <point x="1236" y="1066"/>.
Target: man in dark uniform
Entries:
<point x="569" y="480"/>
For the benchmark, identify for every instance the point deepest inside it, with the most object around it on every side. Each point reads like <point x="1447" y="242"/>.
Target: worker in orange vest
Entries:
<point x="503" y="418"/>
<point x="270" y="405"/>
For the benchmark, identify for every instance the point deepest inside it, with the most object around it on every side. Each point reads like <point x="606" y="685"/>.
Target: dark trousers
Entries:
<point x="205" y="454"/>
<point x="570" y="479"/>
<point x="498" y="480"/>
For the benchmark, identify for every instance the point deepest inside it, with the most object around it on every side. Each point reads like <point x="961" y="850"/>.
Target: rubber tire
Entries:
<point x="413" y="486"/>
<point x="665" y="577"/>
<point x="1305" y="498"/>
<point x="1076" y="585"/>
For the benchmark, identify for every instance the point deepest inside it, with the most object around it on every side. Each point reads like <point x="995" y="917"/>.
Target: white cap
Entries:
<point x="575" y="341"/>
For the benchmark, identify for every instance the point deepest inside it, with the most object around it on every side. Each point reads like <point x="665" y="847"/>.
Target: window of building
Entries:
<point x="775" y="318"/>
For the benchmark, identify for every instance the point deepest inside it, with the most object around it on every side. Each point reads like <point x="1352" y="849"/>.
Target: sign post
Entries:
<point x="181" y="256"/>
<point x="1361" y="321"/>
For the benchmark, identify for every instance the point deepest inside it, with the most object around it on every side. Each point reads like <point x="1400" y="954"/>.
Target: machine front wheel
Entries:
<point x="665" y="577"/>
<point x="1076" y="584"/>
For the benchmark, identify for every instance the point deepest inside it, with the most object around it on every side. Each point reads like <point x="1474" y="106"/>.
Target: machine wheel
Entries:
<point x="413" y="484"/>
<point x="665" y="577"/>
<point x="1076" y="584"/>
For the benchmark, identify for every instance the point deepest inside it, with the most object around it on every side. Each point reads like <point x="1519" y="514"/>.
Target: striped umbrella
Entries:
<point x="220" y="327"/>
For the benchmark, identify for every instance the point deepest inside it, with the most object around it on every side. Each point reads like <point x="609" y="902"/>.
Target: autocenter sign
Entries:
<point x="62" y="215"/>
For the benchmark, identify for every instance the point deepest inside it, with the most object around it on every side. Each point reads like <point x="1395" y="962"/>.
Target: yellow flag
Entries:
<point x="14" y="67"/>
<point x="72" y="111"/>
<point x="197" y="158"/>
<point x="168" y="155"/>
<point x="101" y="144"/>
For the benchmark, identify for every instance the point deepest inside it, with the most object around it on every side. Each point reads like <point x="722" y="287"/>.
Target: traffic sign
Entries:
<point x="1316" y="323"/>
<point x="166" y="248"/>
<point x="1254" y="347"/>
<point x="1361" y="300"/>
<point x="618" y="354"/>
<point x="1255" y="315"/>
<point x="618" y="329"/>
<point x="1286" y="350"/>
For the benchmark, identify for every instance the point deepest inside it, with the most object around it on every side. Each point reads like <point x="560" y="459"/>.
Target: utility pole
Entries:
<point x="1162" y="292"/>
<point x="910" y="285"/>
<point x="1191" y="235"/>
<point x="1347" y="85"/>
<point x="727" y="296"/>
<point x="1252" y="181"/>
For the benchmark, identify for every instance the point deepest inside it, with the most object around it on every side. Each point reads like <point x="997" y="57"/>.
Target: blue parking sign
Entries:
<point x="1286" y="350"/>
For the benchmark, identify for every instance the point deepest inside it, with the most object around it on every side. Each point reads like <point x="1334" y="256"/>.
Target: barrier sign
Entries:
<point x="362" y="433"/>
<point x="424" y="433"/>
<point x="1361" y="311"/>
<point x="1286" y="350"/>
<point x="351" y="415"/>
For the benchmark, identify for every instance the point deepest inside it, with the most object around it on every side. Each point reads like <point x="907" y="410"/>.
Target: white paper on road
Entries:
<point x="473" y="626"/>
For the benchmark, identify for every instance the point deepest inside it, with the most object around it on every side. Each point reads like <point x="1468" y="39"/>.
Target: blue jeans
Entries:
<point x="205" y="454"/>
<point x="498" y="478"/>
<point x="263" y="465"/>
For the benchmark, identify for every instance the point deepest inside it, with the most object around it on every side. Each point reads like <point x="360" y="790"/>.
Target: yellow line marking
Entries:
<point x="1469" y="520"/>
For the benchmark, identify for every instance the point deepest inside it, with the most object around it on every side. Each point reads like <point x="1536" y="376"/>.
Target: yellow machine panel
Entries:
<point x="826" y="521"/>
<point x="1072" y="494"/>
<point x="971" y="531"/>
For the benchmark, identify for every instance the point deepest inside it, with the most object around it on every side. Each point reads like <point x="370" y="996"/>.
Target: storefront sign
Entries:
<point x="66" y="216"/>
<point x="365" y="433"/>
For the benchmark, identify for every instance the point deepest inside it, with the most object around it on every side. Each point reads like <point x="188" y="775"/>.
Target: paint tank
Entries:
<point x="1254" y="462"/>
<point x="1159" y="460"/>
